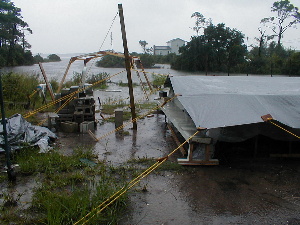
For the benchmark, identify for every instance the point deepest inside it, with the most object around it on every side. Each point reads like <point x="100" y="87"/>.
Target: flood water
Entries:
<point x="56" y="70"/>
<point x="238" y="191"/>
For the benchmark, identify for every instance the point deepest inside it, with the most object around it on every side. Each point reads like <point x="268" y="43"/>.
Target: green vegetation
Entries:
<point x="222" y="49"/>
<point x="67" y="189"/>
<point x="50" y="58"/>
<point x="273" y="59"/>
<point x="158" y="80"/>
<point x="13" y="45"/>
<point x="218" y="49"/>
<point x="91" y="79"/>
<point x="110" y="61"/>
<point x="20" y="96"/>
<point x="17" y="89"/>
<point x="121" y="84"/>
<point x="53" y="58"/>
<point x="286" y="16"/>
<point x="109" y="107"/>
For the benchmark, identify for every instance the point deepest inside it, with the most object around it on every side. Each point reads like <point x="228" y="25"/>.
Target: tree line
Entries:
<point x="214" y="48"/>
<point x="217" y="48"/>
<point x="14" y="48"/>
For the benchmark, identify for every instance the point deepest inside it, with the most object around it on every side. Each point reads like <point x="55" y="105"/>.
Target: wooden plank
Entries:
<point x="47" y="83"/>
<point x="182" y="150"/>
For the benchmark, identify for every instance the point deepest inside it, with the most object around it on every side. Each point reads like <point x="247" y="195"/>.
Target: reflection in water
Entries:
<point x="134" y="148"/>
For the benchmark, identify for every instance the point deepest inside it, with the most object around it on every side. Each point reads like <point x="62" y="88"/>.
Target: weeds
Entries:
<point x="18" y="94"/>
<point x="158" y="80"/>
<point x="67" y="189"/>
<point x="91" y="79"/>
<point x="121" y="84"/>
<point x="17" y="87"/>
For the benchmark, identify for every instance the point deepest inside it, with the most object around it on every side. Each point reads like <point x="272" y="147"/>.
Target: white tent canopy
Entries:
<point x="224" y="101"/>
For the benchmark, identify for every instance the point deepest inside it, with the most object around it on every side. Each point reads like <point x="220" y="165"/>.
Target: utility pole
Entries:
<point x="128" y="65"/>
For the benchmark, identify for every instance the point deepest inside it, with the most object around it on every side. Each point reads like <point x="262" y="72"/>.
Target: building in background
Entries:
<point x="172" y="47"/>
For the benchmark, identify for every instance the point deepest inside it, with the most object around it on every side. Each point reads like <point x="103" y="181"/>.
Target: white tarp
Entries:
<point x="224" y="101"/>
<point x="21" y="133"/>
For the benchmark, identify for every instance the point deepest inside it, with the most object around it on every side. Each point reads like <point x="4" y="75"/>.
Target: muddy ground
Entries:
<point x="241" y="190"/>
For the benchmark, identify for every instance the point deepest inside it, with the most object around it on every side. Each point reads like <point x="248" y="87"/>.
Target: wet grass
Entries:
<point x="121" y="84"/>
<point x="158" y="80"/>
<point x="109" y="109"/>
<point x="67" y="188"/>
<point x="166" y="166"/>
<point x="90" y="79"/>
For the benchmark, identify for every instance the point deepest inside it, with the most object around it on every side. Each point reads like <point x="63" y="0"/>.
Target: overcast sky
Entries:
<point x="80" y="26"/>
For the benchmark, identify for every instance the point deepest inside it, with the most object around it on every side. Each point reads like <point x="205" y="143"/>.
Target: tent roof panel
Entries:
<point x="215" y="102"/>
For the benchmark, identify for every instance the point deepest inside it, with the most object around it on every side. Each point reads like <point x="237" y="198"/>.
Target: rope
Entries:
<point x="33" y="93"/>
<point x="284" y="129"/>
<point x="67" y="96"/>
<point x="113" y="21"/>
<point x="131" y="184"/>
<point x="56" y="111"/>
<point x="142" y="71"/>
<point x="133" y="120"/>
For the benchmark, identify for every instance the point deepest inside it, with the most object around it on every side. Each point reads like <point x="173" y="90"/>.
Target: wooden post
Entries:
<point x="64" y="77"/>
<point x="46" y="81"/>
<point x="127" y="64"/>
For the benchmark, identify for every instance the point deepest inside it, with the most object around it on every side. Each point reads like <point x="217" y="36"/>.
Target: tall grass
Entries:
<point x="17" y="87"/>
<point x="158" y="80"/>
<point x="91" y="79"/>
<point x="68" y="188"/>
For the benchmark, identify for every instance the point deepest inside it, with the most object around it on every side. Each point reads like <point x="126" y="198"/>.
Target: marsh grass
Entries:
<point x="121" y="84"/>
<point x="17" y="88"/>
<point x="66" y="188"/>
<point x="91" y="79"/>
<point x="109" y="109"/>
<point x="158" y="80"/>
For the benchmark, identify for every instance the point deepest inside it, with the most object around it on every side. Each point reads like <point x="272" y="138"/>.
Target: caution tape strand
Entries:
<point x="127" y="187"/>
<point x="134" y="120"/>
<point x="284" y="129"/>
<point x="68" y="96"/>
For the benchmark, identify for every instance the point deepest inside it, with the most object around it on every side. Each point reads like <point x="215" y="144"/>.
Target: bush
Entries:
<point x="17" y="87"/>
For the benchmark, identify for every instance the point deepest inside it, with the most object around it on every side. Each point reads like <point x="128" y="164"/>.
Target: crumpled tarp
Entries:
<point x="21" y="133"/>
